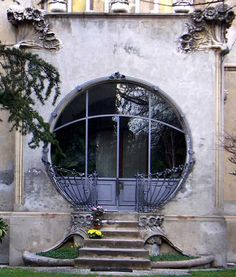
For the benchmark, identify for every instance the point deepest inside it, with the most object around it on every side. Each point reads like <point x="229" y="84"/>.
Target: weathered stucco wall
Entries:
<point x="7" y="36"/>
<point x="99" y="46"/>
<point x="35" y="232"/>
<point x="230" y="127"/>
<point x="6" y="164"/>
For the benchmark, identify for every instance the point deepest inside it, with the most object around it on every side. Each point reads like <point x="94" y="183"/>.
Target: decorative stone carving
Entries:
<point x="151" y="230"/>
<point x="119" y="6"/>
<point x="80" y="223"/>
<point x="117" y="76"/>
<point x="153" y="244"/>
<point x="33" y="28"/>
<point x="57" y="6"/>
<point x="182" y="6"/>
<point x="151" y="222"/>
<point x="207" y="29"/>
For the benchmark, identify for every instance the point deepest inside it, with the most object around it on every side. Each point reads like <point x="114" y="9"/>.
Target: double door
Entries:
<point x="117" y="151"/>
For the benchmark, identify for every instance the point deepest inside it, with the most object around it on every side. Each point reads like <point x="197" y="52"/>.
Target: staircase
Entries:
<point x="121" y="248"/>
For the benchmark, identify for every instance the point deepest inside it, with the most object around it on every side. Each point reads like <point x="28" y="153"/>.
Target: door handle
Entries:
<point x="121" y="186"/>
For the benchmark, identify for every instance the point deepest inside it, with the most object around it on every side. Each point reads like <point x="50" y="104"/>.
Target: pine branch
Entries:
<point x="25" y="78"/>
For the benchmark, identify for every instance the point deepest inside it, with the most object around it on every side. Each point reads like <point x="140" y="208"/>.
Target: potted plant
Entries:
<point x="96" y="216"/>
<point x="3" y="229"/>
<point x="57" y="5"/>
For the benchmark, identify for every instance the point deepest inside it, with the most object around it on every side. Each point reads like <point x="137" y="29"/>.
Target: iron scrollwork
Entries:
<point x="153" y="191"/>
<point x="77" y="189"/>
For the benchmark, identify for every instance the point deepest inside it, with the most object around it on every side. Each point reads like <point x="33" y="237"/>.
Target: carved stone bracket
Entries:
<point x="207" y="29"/>
<point x="151" y="222"/>
<point x="152" y="232"/>
<point x="33" y="29"/>
<point x="80" y="224"/>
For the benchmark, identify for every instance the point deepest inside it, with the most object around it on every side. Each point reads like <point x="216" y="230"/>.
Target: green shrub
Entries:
<point x="61" y="253"/>
<point x="171" y="257"/>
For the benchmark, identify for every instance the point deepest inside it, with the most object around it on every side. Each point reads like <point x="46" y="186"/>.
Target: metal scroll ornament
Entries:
<point x="153" y="191"/>
<point x="207" y="29"/>
<point x="34" y="30"/>
<point x="77" y="189"/>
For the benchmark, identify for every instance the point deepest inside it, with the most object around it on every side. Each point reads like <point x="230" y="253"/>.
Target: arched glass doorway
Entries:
<point x="119" y="128"/>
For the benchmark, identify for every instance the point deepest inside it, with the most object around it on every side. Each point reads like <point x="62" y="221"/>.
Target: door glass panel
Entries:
<point x="168" y="147"/>
<point x="74" y="110"/>
<point x="133" y="147"/>
<point x="102" y="140"/>
<point x="72" y="143"/>
<point x="161" y="110"/>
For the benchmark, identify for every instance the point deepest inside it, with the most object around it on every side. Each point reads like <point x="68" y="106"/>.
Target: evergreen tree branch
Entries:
<point x="25" y="78"/>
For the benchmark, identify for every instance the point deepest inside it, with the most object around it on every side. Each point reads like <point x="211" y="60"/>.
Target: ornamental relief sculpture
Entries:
<point x="207" y="29"/>
<point x="34" y="31"/>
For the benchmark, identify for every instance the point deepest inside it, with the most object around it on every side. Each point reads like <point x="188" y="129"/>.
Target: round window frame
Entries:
<point x="119" y="78"/>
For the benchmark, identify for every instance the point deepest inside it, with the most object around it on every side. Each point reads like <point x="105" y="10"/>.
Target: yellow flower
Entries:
<point x="95" y="234"/>
<point x="98" y="233"/>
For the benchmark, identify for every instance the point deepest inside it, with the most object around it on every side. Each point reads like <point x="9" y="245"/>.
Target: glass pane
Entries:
<point x="133" y="147"/>
<point x="102" y="146"/>
<point x="102" y="99"/>
<point x="118" y="98"/>
<point x="161" y="110"/>
<point x="132" y="100"/>
<point x="72" y="144"/>
<point x="76" y="109"/>
<point x="168" y="148"/>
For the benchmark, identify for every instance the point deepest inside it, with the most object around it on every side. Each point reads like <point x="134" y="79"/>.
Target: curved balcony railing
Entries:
<point x="153" y="191"/>
<point x="79" y="190"/>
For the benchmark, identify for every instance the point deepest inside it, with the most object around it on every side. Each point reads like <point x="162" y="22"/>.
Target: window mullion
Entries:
<point x="86" y="137"/>
<point x="149" y="134"/>
<point x="118" y="147"/>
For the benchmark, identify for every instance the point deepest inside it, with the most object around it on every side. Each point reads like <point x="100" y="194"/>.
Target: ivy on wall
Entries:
<point x="24" y="79"/>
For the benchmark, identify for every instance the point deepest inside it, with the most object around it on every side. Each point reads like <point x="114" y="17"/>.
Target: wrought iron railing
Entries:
<point x="79" y="190"/>
<point x="155" y="190"/>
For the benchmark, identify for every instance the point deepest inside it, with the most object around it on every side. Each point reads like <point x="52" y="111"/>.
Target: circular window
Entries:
<point x="119" y="129"/>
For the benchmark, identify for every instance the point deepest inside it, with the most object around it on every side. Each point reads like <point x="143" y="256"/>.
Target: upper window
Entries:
<point x="119" y="129"/>
<point x="135" y="6"/>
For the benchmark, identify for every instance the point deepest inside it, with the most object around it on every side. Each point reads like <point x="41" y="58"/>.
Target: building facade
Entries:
<point x="140" y="94"/>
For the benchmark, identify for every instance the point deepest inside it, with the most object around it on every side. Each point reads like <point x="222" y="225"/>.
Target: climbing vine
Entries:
<point x="26" y="79"/>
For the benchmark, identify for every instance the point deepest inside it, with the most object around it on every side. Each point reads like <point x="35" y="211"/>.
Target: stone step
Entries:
<point x="121" y="216"/>
<point x="113" y="252"/>
<point x="126" y="233"/>
<point x="119" y="224"/>
<point x="113" y="243"/>
<point x="115" y="263"/>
